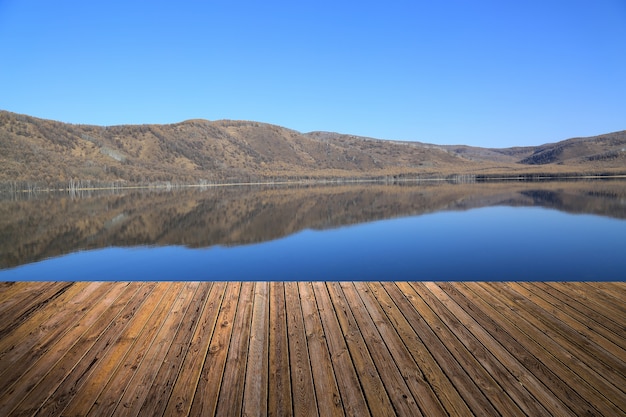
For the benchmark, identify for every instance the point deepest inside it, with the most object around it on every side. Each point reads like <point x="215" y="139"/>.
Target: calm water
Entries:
<point x="501" y="231"/>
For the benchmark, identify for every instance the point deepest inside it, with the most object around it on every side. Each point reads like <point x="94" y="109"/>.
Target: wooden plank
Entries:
<point x="414" y="309"/>
<point x="160" y="390"/>
<point x="250" y="348"/>
<point x="30" y="302"/>
<point x="606" y="297"/>
<point x="56" y="348"/>
<point x="19" y="293"/>
<point x="79" y="405"/>
<point x="257" y="372"/>
<point x="529" y="393"/>
<point x="25" y="345"/>
<point x="605" y="365"/>
<point x="510" y="337"/>
<point x="433" y="375"/>
<point x="302" y="388"/>
<point x="352" y="396"/>
<point x="571" y="319"/>
<point x="619" y="329"/>
<point x="279" y="390"/>
<point x="614" y="289"/>
<point x="394" y="381"/>
<point x="568" y="367"/>
<point x="493" y="379"/>
<point x="40" y="389"/>
<point x="25" y="373"/>
<point x="557" y="291"/>
<point x="16" y="314"/>
<point x="115" y="388"/>
<point x="410" y="372"/>
<point x="326" y="389"/>
<point x="205" y="400"/>
<point x="604" y="311"/>
<point x="231" y="393"/>
<point x="9" y="288"/>
<point x="107" y="340"/>
<point x="373" y="387"/>
<point x="550" y="295"/>
<point x="133" y="399"/>
<point x="29" y="332"/>
<point x="6" y="284"/>
<point x="187" y="382"/>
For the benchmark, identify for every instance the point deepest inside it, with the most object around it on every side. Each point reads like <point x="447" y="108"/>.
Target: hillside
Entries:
<point x="50" y="152"/>
<point x="609" y="149"/>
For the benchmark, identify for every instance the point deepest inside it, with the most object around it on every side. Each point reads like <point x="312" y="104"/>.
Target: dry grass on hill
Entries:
<point x="49" y="152"/>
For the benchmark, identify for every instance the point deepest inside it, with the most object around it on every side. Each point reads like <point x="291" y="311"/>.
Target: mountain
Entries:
<point x="193" y="151"/>
<point x="609" y="149"/>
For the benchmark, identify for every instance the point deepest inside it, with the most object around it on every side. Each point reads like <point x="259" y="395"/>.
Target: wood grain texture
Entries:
<point x="279" y="390"/>
<point x="313" y="348"/>
<point x="257" y="371"/>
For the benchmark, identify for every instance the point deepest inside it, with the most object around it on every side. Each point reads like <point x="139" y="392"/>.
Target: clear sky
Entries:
<point x="492" y="73"/>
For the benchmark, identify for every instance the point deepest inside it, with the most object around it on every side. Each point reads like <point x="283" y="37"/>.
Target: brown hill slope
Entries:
<point x="608" y="149"/>
<point x="45" y="150"/>
<point x="193" y="151"/>
<point x="597" y="154"/>
<point x="588" y="153"/>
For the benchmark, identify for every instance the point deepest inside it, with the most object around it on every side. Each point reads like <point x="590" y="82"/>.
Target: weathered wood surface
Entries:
<point x="320" y="349"/>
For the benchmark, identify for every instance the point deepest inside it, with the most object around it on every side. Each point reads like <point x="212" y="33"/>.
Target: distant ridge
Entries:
<point x="201" y="151"/>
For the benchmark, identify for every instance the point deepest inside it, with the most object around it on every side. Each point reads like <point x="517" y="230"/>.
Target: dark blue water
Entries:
<point x="490" y="243"/>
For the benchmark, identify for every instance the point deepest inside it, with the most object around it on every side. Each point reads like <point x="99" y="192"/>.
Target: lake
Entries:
<point x="574" y="230"/>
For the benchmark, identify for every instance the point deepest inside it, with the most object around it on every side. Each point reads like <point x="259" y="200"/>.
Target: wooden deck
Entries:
<point x="322" y="348"/>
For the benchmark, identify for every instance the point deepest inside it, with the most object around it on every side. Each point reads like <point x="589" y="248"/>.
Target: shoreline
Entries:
<point x="13" y="188"/>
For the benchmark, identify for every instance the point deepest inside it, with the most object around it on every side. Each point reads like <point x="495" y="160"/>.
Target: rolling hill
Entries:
<point x="201" y="151"/>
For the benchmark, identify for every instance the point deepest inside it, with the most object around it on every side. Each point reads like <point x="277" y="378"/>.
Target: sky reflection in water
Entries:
<point x="491" y="243"/>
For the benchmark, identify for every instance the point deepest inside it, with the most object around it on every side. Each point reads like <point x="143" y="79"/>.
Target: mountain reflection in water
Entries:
<point x="50" y="226"/>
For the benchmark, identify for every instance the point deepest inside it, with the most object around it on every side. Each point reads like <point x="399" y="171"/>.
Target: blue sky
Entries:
<point x="482" y="72"/>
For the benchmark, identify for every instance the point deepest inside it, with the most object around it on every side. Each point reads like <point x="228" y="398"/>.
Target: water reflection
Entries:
<point x="50" y="226"/>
